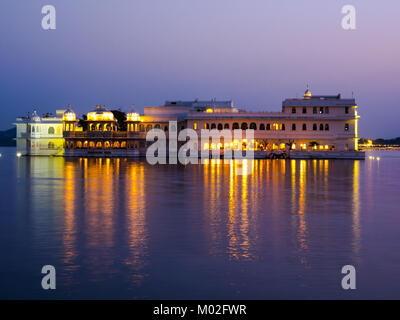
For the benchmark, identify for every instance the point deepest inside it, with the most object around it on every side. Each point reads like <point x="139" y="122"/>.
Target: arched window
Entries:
<point x="85" y="144"/>
<point x="213" y="126"/>
<point x="157" y="126"/>
<point x="226" y="126"/>
<point x="99" y="145"/>
<point x="321" y="127"/>
<point x="51" y="130"/>
<point x="116" y="144"/>
<point x="219" y="126"/>
<point x="327" y="126"/>
<point x="275" y="126"/>
<point x="262" y="126"/>
<point x="106" y="145"/>
<point x="149" y="127"/>
<point x="141" y="128"/>
<point x="235" y="126"/>
<point x="293" y="110"/>
<point x="79" y="144"/>
<point x="268" y="126"/>
<point x="283" y="127"/>
<point x="293" y="126"/>
<point x="195" y="126"/>
<point x="304" y="127"/>
<point x="91" y="144"/>
<point x="244" y="126"/>
<point x="253" y="126"/>
<point x="314" y="127"/>
<point x="123" y="144"/>
<point x="206" y="126"/>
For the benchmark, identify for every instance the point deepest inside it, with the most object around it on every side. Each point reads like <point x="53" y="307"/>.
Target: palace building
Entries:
<point x="308" y="127"/>
<point x="40" y="136"/>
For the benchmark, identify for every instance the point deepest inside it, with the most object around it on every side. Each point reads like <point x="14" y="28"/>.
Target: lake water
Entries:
<point x="121" y="228"/>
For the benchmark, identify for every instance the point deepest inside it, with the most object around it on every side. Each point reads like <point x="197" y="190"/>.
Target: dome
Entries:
<point x="100" y="114"/>
<point x="35" y="117"/>
<point x="69" y="115"/>
<point x="307" y="93"/>
<point x="133" y="116"/>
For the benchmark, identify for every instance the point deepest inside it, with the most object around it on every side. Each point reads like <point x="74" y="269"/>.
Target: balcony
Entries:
<point x="100" y="134"/>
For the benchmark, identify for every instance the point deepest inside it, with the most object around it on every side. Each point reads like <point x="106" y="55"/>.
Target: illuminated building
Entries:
<point x="307" y="127"/>
<point x="40" y="136"/>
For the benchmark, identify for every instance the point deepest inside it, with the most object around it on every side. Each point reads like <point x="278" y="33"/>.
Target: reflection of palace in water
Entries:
<point x="310" y="127"/>
<point x="102" y="210"/>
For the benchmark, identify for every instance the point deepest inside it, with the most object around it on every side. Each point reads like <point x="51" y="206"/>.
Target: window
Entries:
<point x="314" y="127"/>
<point x="51" y="130"/>
<point x="206" y="126"/>
<point x="166" y="128"/>
<point x="244" y="126"/>
<point x="321" y="110"/>
<point x="262" y="126"/>
<point x="235" y="126"/>
<point x="314" y="110"/>
<point x="304" y="110"/>
<point x="141" y="128"/>
<point x="213" y="126"/>
<point x="51" y="145"/>
<point x="321" y="127"/>
<point x="219" y="126"/>
<point x="346" y="110"/>
<point x="226" y="126"/>
<point x="346" y="127"/>
<point x="195" y="126"/>
<point x="327" y="126"/>
<point x="149" y="127"/>
<point x="304" y="127"/>
<point x="268" y="126"/>
<point x="327" y="110"/>
<point x="275" y="126"/>
<point x="293" y="126"/>
<point x="253" y="126"/>
<point x="283" y="126"/>
<point x="293" y="110"/>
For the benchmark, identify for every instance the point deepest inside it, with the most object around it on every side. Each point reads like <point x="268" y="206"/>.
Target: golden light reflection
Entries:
<point x="233" y="233"/>
<point x="136" y="220"/>
<point x="356" y="207"/>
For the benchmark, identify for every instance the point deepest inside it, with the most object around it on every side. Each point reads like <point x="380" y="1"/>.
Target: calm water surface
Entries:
<point x="120" y="228"/>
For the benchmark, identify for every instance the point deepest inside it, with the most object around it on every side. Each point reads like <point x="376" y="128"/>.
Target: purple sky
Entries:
<point x="146" y="51"/>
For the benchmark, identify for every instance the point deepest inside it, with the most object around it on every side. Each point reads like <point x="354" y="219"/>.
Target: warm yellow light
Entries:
<point x="326" y="147"/>
<point x="69" y="116"/>
<point x="104" y="116"/>
<point x="293" y="146"/>
<point x="195" y="126"/>
<point x="209" y="110"/>
<point x="133" y="116"/>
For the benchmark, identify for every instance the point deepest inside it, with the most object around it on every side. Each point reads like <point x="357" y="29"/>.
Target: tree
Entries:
<point x="121" y="118"/>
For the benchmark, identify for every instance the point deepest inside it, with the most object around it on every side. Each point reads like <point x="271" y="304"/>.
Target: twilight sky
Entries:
<point x="255" y="52"/>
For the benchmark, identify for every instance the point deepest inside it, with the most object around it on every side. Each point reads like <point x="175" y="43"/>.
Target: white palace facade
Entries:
<point x="307" y="127"/>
